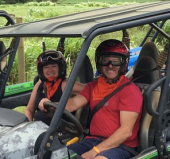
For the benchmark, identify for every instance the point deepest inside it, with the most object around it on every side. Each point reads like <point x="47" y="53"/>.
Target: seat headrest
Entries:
<point x="85" y="73"/>
<point x="2" y="50"/>
<point x="144" y="72"/>
<point x="148" y="50"/>
<point x="2" y="47"/>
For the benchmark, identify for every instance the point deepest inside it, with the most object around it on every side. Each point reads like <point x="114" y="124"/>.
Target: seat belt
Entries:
<point x="45" y="89"/>
<point x="130" y="149"/>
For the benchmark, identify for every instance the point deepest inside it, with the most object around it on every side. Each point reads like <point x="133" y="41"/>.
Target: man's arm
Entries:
<point x="127" y="121"/>
<point x="73" y="103"/>
<point x="76" y="102"/>
<point x="78" y="87"/>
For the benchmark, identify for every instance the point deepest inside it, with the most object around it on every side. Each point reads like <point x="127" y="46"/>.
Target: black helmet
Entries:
<point x="112" y="47"/>
<point x="49" y="57"/>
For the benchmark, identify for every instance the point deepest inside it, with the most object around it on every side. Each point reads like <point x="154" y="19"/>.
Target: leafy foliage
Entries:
<point x="2" y="2"/>
<point x="166" y="28"/>
<point x="92" y="4"/>
<point x="10" y="1"/>
<point x="26" y="1"/>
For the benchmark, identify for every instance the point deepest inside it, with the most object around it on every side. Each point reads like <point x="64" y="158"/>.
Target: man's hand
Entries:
<point x="41" y="104"/>
<point x="89" y="154"/>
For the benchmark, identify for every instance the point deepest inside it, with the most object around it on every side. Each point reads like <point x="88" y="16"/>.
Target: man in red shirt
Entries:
<point x="117" y="122"/>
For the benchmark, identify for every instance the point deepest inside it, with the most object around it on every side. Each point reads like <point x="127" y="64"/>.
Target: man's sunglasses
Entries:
<point x="110" y="62"/>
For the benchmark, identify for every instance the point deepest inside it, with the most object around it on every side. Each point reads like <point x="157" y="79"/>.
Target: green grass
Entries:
<point x="32" y="13"/>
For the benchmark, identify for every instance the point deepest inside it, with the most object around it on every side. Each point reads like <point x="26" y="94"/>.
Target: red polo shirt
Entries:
<point x="107" y="120"/>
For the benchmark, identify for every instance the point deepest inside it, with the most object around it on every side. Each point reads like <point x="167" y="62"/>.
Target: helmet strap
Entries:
<point x="110" y="81"/>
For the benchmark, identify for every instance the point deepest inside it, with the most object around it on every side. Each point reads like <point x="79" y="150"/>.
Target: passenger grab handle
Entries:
<point x="147" y="95"/>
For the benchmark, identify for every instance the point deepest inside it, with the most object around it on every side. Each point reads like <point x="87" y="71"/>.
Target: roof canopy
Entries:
<point x="84" y="23"/>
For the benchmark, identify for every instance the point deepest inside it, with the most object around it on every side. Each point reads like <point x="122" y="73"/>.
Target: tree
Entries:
<point x="10" y="1"/>
<point x="2" y="2"/>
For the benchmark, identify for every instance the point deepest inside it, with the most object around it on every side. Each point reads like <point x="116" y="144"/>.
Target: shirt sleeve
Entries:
<point x="86" y="92"/>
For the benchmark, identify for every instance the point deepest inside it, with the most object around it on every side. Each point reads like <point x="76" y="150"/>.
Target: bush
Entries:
<point x="55" y="1"/>
<point x="160" y="39"/>
<point x="10" y="1"/>
<point x="2" y="2"/>
<point x="32" y="4"/>
<point x="48" y="3"/>
<point x="92" y="4"/>
<point x="72" y="49"/>
<point x="37" y="14"/>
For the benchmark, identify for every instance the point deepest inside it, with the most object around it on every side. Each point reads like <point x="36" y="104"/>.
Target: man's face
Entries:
<point x="110" y="71"/>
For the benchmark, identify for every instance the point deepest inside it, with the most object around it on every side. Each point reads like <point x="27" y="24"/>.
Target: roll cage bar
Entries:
<point x="95" y="23"/>
<point x="4" y="14"/>
<point x="11" y="51"/>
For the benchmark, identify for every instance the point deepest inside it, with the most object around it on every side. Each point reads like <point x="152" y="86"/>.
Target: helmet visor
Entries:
<point x="50" y="56"/>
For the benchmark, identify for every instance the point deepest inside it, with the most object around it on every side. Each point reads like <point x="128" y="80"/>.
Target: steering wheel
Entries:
<point x="69" y="127"/>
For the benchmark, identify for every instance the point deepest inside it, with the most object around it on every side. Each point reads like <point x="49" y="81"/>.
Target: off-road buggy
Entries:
<point x="22" y="139"/>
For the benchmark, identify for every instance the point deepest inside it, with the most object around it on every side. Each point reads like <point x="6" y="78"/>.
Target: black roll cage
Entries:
<point x="164" y="81"/>
<point x="11" y="51"/>
<point x="152" y="20"/>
